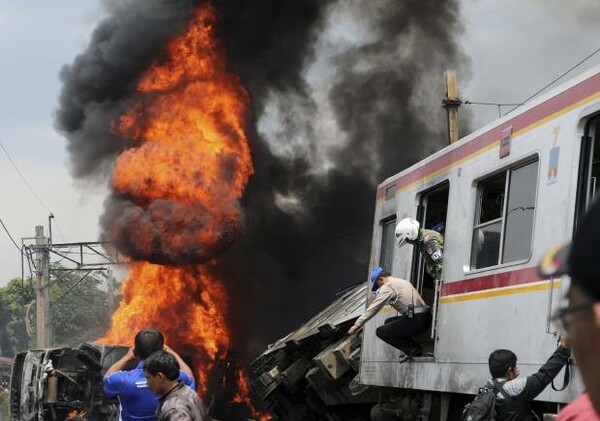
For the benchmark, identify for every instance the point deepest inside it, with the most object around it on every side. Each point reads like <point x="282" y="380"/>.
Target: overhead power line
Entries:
<point x="586" y="58"/>
<point x="495" y="104"/>
<point x="536" y="93"/>
<point x="40" y="201"/>
<point x="10" y="236"/>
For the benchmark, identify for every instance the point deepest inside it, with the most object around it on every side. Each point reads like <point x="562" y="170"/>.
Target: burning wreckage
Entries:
<point x="312" y="373"/>
<point x="66" y="384"/>
<point x="63" y="383"/>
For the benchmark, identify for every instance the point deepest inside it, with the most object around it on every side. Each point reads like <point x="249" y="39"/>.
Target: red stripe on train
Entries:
<point x="497" y="280"/>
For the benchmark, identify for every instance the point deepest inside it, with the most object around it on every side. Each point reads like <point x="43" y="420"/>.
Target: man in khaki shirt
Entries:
<point x="413" y="319"/>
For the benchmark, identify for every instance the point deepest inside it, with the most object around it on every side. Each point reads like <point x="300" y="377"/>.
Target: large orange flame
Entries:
<point x="192" y="160"/>
<point x="76" y="415"/>
<point x="189" y="166"/>
<point x="185" y="303"/>
<point x="243" y="396"/>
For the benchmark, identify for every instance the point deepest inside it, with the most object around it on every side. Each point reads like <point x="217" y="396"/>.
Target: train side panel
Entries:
<point x="499" y="306"/>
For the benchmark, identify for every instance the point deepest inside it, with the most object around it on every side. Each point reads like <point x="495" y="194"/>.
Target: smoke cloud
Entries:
<point x="343" y="100"/>
<point x="344" y="93"/>
<point x="100" y="83"/>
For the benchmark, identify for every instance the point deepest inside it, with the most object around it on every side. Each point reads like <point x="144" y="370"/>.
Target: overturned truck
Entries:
<point x="63" y="383"/>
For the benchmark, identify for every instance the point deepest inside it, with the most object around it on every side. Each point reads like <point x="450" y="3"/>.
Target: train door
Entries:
<point x="587" y="186"/>
<point x="587" y="189"/>
<point x="431" y="214"/>
<point x="589" y="167"/>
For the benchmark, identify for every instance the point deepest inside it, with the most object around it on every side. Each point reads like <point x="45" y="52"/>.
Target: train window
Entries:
<point x="386" y="258"/>
<point x="518" y="226"/>
<point x="504" y="222"/>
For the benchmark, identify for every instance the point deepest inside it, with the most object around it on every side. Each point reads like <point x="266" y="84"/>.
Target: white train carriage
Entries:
<point x="501" y="196"/>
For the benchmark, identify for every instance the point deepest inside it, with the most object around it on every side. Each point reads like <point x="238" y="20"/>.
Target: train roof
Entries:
<point x="540" y="99"/>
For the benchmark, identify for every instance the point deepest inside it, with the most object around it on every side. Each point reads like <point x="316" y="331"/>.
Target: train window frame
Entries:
<point x="389" y="220"/>
<point x="507" y="171"/>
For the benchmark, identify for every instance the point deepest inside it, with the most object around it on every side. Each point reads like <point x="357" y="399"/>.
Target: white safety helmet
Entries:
<point x="407" y="229"/>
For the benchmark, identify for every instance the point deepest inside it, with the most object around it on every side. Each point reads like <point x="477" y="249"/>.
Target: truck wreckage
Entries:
<point x="63" y="383"/>
<point x="66" y="384"/>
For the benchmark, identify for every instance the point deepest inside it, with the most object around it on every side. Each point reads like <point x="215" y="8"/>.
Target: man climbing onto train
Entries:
<point x="430" y="244"/>
<point x="413" y="319"/>
<point x="515" y="394"/>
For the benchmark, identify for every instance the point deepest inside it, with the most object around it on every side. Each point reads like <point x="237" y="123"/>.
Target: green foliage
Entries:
<point x="4" y="404"/>
<point x="79" y="311"/>
<point x="14" y="298"/>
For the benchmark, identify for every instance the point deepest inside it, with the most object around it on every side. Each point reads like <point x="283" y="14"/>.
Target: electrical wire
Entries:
<point x="495" y="104"/>
<point x="10" y="236"/>
<point x="586" y="58"/>
<point x="40" y="201"/>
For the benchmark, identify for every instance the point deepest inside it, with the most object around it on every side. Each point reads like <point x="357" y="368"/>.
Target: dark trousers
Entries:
<point x="399" y="331"/>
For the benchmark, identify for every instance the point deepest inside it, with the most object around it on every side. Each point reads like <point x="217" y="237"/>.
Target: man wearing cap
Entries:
<point x="580" y="320"/>
<point x="413" y="319"/>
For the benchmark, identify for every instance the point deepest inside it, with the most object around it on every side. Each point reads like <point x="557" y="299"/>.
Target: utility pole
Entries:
<point x="83" y="258"/>
<point x="110" y="289"/>
<point x="42" y="290"/>
<point x="451" y="103"/>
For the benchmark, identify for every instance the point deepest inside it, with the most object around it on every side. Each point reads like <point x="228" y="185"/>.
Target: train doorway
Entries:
<point x="589" y="168"/>
<point x="431" y="214"/>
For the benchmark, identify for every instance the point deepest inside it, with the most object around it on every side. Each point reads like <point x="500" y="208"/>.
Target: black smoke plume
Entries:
<point x="309" y="206"/>
<point x="385" y="96"/>
<point x="167" y="232"/>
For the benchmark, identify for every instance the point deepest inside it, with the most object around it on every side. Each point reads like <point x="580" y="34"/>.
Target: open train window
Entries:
<point x="386" y="257"/>
<point x="589" y="167"/>
<point x="504" y="216"/>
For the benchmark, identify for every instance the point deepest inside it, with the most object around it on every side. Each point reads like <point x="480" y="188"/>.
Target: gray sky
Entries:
<point x="518" y="46"/>
<point x="36" y="41"/>
<point x="515" y="47"/>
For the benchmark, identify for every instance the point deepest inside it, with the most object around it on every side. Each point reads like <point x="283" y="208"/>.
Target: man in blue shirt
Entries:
<point x="138" y="403"/>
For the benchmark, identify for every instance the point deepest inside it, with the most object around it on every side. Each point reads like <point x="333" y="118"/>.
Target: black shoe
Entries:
<point x="404" y="358"/>
<point x="408" y="356"/>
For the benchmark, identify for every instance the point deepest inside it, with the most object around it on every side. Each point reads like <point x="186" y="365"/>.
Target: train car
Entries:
<point x="500" y="196"/>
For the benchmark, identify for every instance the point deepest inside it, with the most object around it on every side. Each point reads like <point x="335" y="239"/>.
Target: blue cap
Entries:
<point x="375" y="273"/>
